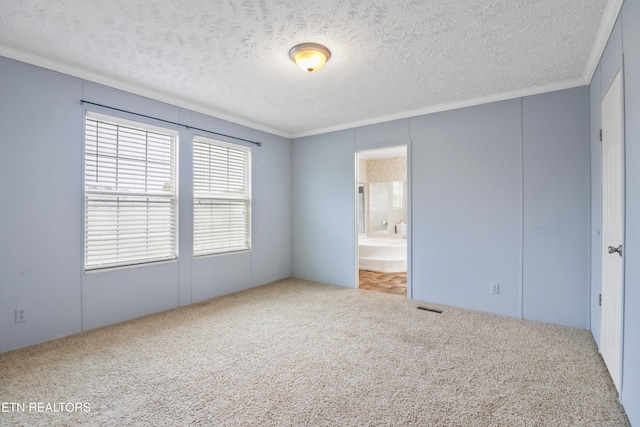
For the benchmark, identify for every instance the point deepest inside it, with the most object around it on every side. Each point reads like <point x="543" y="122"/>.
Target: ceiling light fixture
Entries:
<point x="310" y="56"/>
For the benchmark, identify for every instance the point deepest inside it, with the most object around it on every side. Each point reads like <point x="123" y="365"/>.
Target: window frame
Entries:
<point x="150" y="196"/>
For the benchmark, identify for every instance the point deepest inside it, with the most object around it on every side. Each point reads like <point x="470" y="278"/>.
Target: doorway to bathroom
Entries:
<point x="382" y="220"/>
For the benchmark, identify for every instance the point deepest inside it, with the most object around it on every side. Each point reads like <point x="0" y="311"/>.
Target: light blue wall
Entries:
<point x="467" y="207"/>
<point x="323" y="208"/>
<point x="271" y="230"/>
<point x="556" y="207"/>
<point x="631" y="357"/>
<point x="469" y="194"/>
<point x="114" y="296"/>
<point x="40" y="204"/>
<point x="41" y="267"/>
<point x="611" y="61"/>
<point x="395" y="132"/>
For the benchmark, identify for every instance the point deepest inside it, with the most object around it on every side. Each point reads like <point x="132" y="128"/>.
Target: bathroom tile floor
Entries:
<point x="388" y="283"/>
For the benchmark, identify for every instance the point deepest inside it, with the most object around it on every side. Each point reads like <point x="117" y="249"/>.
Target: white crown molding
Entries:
<point x="97" y="78"/>
<point x="552" y="87"/>
<point x="604" y="32"/>
<point x="137" y="90"/>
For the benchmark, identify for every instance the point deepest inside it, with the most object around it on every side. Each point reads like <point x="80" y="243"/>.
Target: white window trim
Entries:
<point x="87" y="193"/>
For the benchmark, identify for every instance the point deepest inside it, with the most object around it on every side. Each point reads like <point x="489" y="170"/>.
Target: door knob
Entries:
<point x="613" y="250"/>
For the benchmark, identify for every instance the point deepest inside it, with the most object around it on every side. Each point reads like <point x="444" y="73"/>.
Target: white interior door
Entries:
<point x="612" y="230"/>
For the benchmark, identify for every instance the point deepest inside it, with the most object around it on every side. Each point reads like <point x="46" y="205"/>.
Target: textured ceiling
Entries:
<point x="390" y="59"/>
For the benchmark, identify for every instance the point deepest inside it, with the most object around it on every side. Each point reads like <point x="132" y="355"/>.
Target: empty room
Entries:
<point x="288" y="212"/>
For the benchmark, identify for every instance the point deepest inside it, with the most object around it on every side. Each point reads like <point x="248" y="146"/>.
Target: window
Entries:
<point x="130" y="193"/>
<point x="397" y="193"/>
<point x="221" y="197"/>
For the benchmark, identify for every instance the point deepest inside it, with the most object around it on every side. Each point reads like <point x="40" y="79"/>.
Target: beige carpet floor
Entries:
<point x="300" y="353"/>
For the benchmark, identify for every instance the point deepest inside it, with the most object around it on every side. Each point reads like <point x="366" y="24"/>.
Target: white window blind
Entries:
<point x="221" y="197"/>
<point x="130" y="193"/>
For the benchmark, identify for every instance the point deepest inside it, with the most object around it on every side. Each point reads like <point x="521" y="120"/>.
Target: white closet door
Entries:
<point x="612" y="229"/>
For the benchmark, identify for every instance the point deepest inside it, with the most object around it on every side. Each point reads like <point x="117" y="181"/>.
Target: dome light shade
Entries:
<point x="310" y="56"/>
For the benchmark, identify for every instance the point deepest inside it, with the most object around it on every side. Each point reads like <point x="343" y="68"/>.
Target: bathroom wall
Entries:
<point x="362" y="171"/>
<point x="385" y="170"/>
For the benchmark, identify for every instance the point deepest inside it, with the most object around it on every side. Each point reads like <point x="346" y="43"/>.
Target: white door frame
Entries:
<point x="612" y="228"/>
<point x="406" y="143"/>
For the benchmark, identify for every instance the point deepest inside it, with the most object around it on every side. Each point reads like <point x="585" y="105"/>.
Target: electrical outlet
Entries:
<point x="495" y="288"/>
<point x="21" y="315"/>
